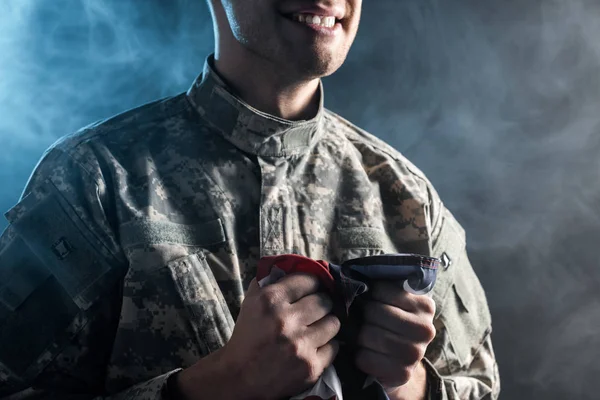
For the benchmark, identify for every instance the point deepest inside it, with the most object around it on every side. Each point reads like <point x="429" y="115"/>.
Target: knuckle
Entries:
<point x="428" y="305"/>
<point x="432" y="332"/>
<point x="313" y="371"/>
<point x="404" y="374"/>
<point x="293" y="348"/>
<point x="270" y="299"/>
<point x="413" y="353"/>
<point x="425" y="331"/>
<point x="308" y="367"/>
<point x="283" y="326"/>
<point x="297" y="350"/>
<point x="335" y="324"/>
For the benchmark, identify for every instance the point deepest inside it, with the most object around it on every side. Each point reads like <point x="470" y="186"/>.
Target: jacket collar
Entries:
<point x="249" y="129"/>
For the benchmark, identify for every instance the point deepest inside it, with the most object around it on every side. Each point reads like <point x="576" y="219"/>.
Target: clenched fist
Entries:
<point x="398" y="327"/>
<point x="280" y="346"/>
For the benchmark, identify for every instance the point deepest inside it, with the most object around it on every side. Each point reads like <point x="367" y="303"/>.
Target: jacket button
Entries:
<point x="446" y="261"/>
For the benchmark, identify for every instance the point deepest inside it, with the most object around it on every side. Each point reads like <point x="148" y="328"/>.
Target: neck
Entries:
<point x="258" y="83"/>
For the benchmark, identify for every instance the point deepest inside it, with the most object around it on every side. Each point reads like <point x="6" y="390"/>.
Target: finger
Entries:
<point x="312" y="308"/>
<point x="413" y="327"/>
<point x="293" y="287"/>
<point x="326" y="354"/>
<point x="388" y="370"/>
<point x="392" y="293"/>
<point x="323" y="330"/>
<point x="383" y="341"/>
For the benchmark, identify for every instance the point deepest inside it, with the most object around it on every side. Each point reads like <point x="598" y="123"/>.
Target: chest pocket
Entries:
<point x="52" y="270"/>
<point x="462" y="314"/>
<point x="173" y="310"/>
<point x="209" y="315"/>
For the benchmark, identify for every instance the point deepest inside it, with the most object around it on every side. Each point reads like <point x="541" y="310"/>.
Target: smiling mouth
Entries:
<point x="327" y="22"/>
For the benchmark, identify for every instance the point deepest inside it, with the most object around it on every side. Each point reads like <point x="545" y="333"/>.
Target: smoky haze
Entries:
<point x="498" y="102"/>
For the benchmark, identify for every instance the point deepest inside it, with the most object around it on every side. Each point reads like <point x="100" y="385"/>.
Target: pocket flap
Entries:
<point x="210" y="316"/>
<point x="467" y="318"/>
<point x="449" y="247"/>
<point x="146" y="231"/>
<point x="361" y="237"/>
<point x="67" y="248"/>
<point x="458" y="293"/>
<point x="21" y="272"/>
<point x="31" y="301"/>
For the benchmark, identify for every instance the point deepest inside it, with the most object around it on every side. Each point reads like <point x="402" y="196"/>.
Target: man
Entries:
<point x="135" y="244"/>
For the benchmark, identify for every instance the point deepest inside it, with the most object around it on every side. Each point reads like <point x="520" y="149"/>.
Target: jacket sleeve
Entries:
<point x="61" y="272"/>
<point x="460" y="360"/>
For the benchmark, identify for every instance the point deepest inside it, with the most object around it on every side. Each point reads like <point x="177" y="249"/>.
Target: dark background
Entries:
<point x="496" y="101"/>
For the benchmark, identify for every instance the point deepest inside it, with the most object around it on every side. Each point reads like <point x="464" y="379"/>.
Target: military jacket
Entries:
<point x="128" y="255"/>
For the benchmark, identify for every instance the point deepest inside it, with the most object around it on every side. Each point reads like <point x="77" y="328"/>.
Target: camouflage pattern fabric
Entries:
<point x="129" y="253"/>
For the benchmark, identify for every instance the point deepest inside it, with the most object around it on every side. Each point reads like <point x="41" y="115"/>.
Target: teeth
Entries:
<point x="327" y="22"/>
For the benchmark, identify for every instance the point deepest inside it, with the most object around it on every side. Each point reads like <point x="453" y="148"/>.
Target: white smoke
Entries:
<point x="497" y="101"/>
<point x="67" y="63"/>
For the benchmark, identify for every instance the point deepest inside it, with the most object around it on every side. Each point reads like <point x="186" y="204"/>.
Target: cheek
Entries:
<point x="240" y="18"/>
<point x="356" y="11"/>
<point x="351" y="27"/>
<point x="254" y="26"/>
<point x="355" y="24"/>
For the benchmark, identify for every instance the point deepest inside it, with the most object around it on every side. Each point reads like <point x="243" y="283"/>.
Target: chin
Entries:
<point x="318" y="66"/>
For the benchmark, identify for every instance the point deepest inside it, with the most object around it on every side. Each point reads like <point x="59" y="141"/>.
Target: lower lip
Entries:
<point x="318" y="28"/>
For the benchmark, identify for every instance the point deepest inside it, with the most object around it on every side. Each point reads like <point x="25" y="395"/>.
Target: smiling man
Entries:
<point x="127" y="270"/>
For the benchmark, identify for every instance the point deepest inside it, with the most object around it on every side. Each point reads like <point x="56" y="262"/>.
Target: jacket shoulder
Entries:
<point x="127" y="126"/>
<point x="367" y="143"/>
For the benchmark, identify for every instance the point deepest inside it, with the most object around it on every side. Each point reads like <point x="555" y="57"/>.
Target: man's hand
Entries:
<point x="281" y="344"/>
<point x="398" y="327"/>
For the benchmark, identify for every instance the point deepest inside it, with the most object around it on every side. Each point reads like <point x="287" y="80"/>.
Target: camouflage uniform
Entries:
<point x="128" y="255"/>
